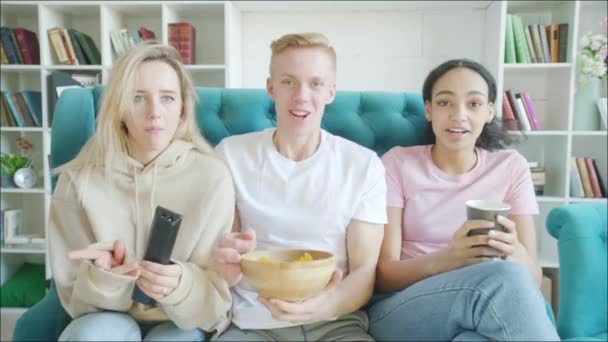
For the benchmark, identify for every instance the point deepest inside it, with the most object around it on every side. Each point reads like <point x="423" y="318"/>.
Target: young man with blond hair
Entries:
<point x="298" y="186"/>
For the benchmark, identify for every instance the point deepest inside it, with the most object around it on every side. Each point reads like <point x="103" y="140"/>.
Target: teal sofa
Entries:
<point x="581" y="231"/>
<point x="377" y="120"/>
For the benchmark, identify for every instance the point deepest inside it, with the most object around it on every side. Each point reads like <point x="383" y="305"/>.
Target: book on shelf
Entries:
<point x="582" y="170"/>
<point x="530" y="44"/>
<point x="123" y="39"/>
<point x="576" y="183"/>
<point x="16" y="45"/>
<point x="521" y="48"/>
<point x="21" y="109"/>
<point x="586" y="180"/>
<point x="545" y="43"/>
<point x="9" y="46"/>
<point x="28" y="45"/>
<point x="89" y="48"/>
<point x="12" y="108"/>
<point x="182" y="36"/>
<point x="33" y="102"/>
<point x="520" y="107"/>
<point x="77" y="47"/>
<point x="12" y="221"/>
<point x="3" y="58"/>
<point x="509" y="41"/>
<point x="538" y="179"/>
<point x="562" y="54"/>
<point x="553" y="35"/>
<point x="595" y="187"/>
<point x="73" y="47"/>
<point x="600" y="180"/>
<point x="530" y="110"/>
<point x="508" y="118"/>
<point x="535" y="43"/>
<point x="61" y="54"/>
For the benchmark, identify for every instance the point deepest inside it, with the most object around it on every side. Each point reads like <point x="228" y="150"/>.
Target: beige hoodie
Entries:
<point x="89" y="209"/>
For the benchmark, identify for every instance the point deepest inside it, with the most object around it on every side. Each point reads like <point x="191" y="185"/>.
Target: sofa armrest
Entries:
<point x="581" y="231"/>
<point x="44" y="321"/>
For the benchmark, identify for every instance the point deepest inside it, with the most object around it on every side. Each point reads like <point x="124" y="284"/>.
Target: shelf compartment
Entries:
<point x="548" y="151"/>
<point x="208" y="77"/>
<point x="550" y="103"/>
<point x="587" y="146"/>
<point x="131" y="17"/>
<point x="81" y="16"/>
<point x="209" y="24"/>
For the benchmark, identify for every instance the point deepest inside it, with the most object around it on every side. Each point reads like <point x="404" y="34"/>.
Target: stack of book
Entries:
<point x="124" y="39"/>
<point x="21" y="108"/>
<point x="73" y="47"/>
<point x="535" y="43"/>
<point x="538" y="178"/>
<point x="182" y="36"/>
<point x="11" y="229"/>
<point x="518" y="112"/>
<point x="19" y="46"/>
<point x="585" y="178"/>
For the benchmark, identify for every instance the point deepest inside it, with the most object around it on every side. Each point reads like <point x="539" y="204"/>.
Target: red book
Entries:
<point x="595" y="187"/>
<point x="508" y="118"/>
<point x="173" y="35"/>
<point x="600" y="181"/>
<point x="187" y="43"/>
<point x="530" y="109"/>
<point x="28" y="44"/>
<point x="64" y="40"/>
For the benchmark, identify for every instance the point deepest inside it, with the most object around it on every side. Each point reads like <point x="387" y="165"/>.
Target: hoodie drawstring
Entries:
<point x="154" y="171"/>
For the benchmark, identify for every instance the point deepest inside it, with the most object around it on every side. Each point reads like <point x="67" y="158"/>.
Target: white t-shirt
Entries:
<point x="300" y="204"/>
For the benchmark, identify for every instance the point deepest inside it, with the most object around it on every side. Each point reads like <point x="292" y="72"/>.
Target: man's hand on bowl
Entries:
<point x="310" y="310"/>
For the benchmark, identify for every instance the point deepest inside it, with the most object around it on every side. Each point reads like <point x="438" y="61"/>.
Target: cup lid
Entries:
<point x="488" y="205"/>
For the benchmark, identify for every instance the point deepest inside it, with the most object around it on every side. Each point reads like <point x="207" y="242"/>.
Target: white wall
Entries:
<point x="377" y="50"/>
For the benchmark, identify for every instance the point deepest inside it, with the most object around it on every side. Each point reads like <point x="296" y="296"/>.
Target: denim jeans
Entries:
<point x="118" y="326"/>
<point x="493" y="300"/>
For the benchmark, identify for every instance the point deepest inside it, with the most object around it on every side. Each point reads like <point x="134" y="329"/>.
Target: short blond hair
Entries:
<point x="108" y="145"/>
<point x="301" y="40"/>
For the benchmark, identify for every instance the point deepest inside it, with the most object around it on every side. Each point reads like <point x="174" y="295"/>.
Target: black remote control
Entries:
<point x="160" y="245"/>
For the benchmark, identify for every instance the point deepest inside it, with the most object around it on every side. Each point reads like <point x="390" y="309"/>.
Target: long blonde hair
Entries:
<point x="108" y="145"/>
<point x="301" y="40"/>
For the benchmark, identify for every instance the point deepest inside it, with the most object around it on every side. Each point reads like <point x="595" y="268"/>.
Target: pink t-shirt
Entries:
<point x="433" y="202"/>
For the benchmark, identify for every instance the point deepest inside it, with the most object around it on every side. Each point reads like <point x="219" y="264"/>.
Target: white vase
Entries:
<point x="586" y="114"/>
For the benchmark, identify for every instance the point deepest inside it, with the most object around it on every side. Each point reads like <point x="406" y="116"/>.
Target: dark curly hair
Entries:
<point x="493" y="135"/>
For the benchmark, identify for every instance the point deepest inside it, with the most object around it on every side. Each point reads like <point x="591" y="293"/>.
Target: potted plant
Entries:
<point x="9" y="164"/>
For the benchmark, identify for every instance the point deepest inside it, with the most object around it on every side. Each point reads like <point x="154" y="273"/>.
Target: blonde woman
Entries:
<point x="146" y="152"/>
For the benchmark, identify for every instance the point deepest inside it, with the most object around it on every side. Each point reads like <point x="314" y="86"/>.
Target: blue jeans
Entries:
<point x="493" y="300"/>
<point x="118" y="326"/>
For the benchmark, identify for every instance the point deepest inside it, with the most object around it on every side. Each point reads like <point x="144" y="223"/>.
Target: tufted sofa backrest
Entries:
<point x="377" y="120"/>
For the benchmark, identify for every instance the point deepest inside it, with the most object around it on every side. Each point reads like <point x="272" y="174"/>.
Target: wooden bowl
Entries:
<point x="280" y="275"/>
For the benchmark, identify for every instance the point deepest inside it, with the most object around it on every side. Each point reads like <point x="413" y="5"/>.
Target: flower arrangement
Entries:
<point x="593" y="55"/>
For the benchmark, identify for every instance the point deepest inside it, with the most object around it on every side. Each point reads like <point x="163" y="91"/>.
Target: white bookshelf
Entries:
<point x="552" y="87"/>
